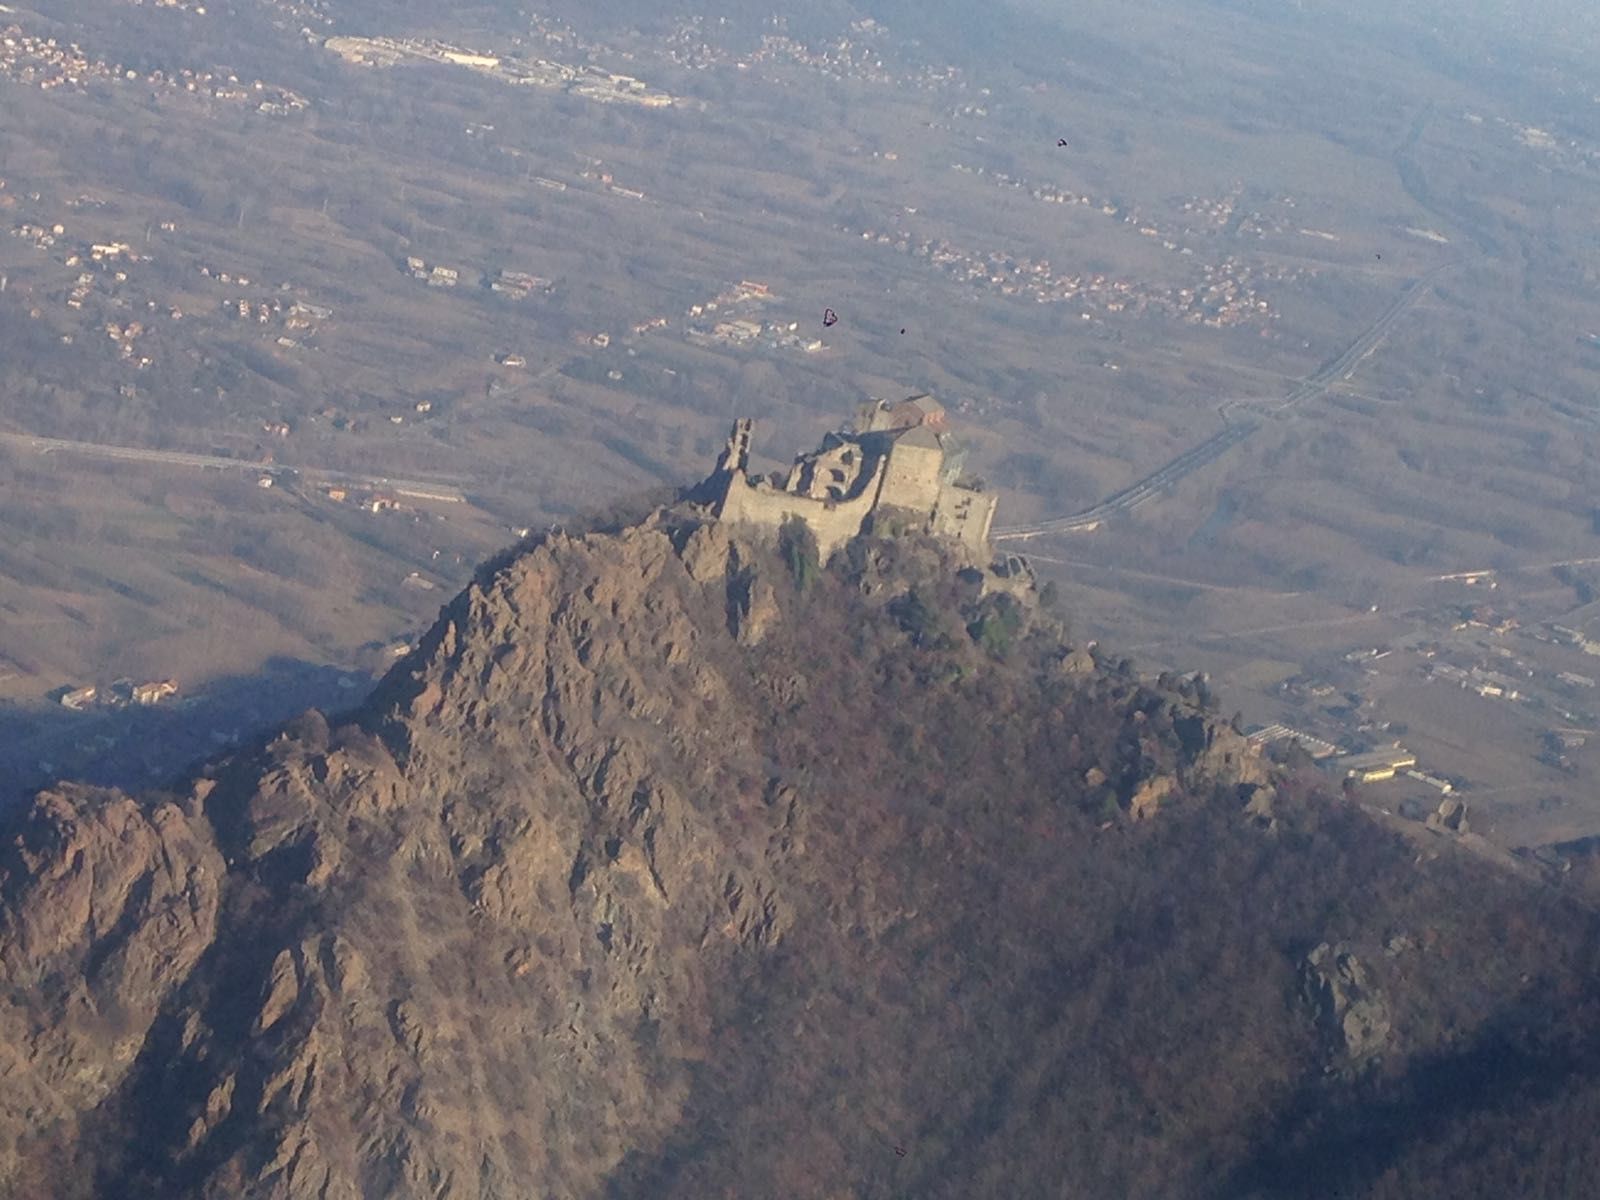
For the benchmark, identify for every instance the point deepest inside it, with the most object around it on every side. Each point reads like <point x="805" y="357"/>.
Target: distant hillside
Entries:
<point x="673" y="865"/>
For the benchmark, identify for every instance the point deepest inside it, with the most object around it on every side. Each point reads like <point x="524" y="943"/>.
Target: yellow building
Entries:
<point x="1378" y="765"/>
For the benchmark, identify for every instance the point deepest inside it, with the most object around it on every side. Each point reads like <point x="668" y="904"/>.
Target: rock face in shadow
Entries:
<point x="1345" y="1004"/>
<point x="651" y="873"/>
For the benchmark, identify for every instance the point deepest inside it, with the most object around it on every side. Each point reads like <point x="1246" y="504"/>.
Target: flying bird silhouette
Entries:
<point x="829" y="317"/>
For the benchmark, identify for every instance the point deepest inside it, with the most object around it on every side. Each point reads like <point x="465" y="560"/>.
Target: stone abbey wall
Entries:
<point x="895" y="459"/>
<point x="833" y="522"/>
<point x="912" y="478"/>
<point x="965" y="514"/>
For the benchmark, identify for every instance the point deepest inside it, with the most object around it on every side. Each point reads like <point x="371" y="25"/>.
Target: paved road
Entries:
<point x="434" y="489"/>
<point x="1235" y="428"/>
<point x="1177" y="580"/>
<point x="1546" y="566"/>
<point x="1225" y="635"/>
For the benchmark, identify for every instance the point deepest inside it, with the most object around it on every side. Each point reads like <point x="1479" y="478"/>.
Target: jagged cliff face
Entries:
<point x="653" y="873"/>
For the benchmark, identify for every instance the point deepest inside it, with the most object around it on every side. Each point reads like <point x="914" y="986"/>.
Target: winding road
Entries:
<point x="1236" y="428"/>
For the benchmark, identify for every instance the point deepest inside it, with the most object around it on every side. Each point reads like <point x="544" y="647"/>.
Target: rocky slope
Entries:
<point x="669" y="865"/>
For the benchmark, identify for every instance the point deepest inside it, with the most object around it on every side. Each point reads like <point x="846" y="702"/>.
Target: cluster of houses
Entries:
<point x="1216" y="213"/>
<point x="719" y="319"/>
<point x="862" y="52"/>
<point x="518" y="285"/>
<point x="513" y="285"/>
<point x="41" y="237"/>
<point x="126" y="337"/>
<point x="109" y="256"/>
<point x="740" y="330"/>
<point x="121" y="694"/>
<point x="224" y="277"/>
<point x="46" y="64"/>
<point x="743" y="331"/>
<point x="297" y="317"/>
<point x="589" y="82"/>
<point x="367" y="501"/>
<point x="1223" y="293"/>
<point x="746" y="291"/>
<point x="434" y="276"/>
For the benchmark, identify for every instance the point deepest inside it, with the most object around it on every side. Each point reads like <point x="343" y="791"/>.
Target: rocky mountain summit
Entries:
<point x="674" y="863"/>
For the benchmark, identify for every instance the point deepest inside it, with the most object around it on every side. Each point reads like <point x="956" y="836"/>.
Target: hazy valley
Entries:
<point x="483" y="297"/>
<point x="407" y="787"/>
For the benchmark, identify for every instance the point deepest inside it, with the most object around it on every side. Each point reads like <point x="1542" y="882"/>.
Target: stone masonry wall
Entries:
<point x="965" y="515"/>
<point x="834" y="523"/>
<point x="912" y="478"/>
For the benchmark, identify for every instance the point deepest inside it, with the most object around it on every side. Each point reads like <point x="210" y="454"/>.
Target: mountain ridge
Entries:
<point x="672" y="863"/>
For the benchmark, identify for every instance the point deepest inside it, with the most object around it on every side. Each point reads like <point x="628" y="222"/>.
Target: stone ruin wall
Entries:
<point x="907" y="477"/>
<point x="833" y="522"/>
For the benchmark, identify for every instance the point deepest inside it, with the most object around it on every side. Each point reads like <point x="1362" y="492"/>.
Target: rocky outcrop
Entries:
<point x="1260" y="807"/>
<point x="1214" y="750"/>
<point x="1351" y="1014"/>
<point x="752" y="607"/>
<point x="1172" y="748"/>
<point x="1075" y="661"/>
<point x="106" y="905"/>
<point x="1450" y="816"/>
<point x="1148" y="796"/>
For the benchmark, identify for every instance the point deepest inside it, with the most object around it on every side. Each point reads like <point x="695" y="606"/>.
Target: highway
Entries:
<point x="1235" y="428"/>
<point x="422" y="489"/>
<point x="1343" y="367"/>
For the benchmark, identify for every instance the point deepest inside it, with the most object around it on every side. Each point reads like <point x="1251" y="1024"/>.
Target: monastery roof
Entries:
<point x="919" y="436"/>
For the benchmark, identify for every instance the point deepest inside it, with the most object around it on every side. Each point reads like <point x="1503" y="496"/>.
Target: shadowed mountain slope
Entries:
<point x="672" y="865"/>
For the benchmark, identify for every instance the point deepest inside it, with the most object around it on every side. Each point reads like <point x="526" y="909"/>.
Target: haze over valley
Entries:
<point x="309" y="306"/>
<point x="865" y="599"/>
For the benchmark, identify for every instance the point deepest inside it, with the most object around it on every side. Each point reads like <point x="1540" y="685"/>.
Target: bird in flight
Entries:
<point x="829" y="317"/>
<point x="1061" y="141"/>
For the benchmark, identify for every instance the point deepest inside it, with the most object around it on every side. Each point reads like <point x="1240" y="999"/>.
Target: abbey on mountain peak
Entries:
<point x="898" y="460"/>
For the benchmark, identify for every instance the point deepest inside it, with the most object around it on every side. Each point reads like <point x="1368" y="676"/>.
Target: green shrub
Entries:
<point x="798" y="546"/>
<point x="921" y="619"/>
<point x="997" y="626"/>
